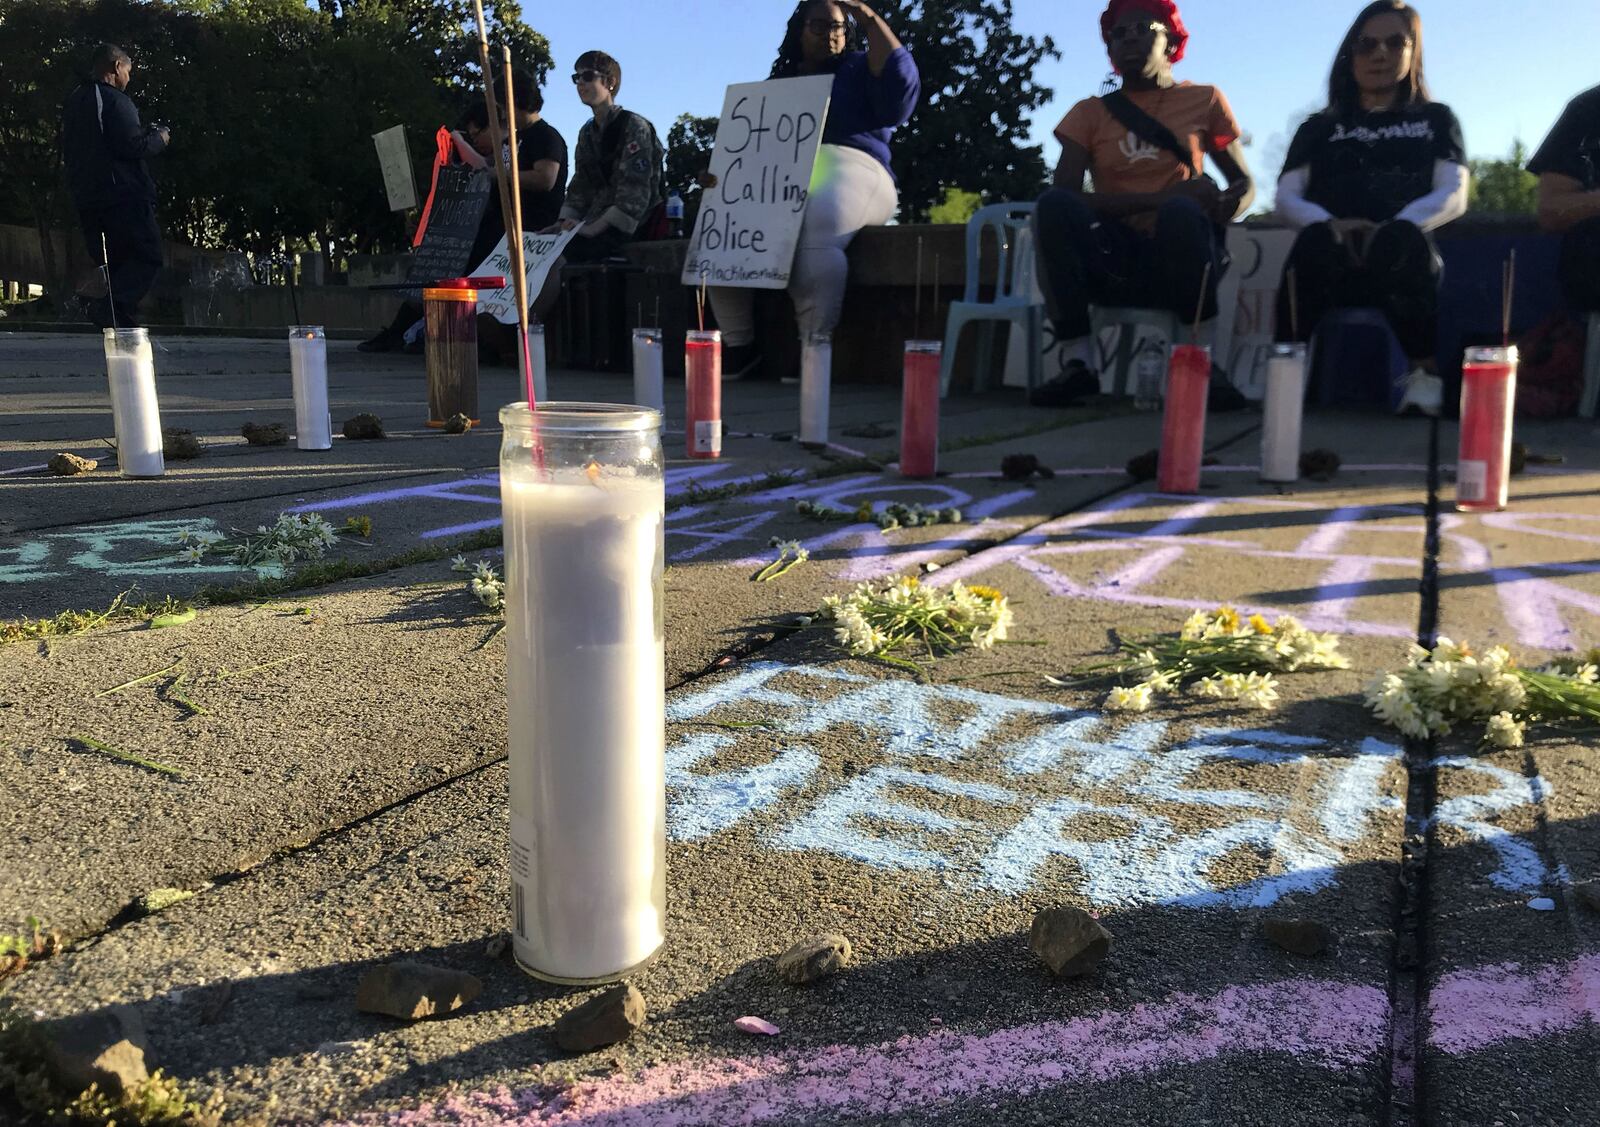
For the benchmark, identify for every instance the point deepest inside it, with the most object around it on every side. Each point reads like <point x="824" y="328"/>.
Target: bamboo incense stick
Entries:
<point x="514" y="234"/>
<point x="1200" y="306"/>
<point x="1508" y="286"/>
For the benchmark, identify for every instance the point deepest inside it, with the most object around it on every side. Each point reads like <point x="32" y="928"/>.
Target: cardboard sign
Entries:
<point x="394" y="157"/>
<point x="459" y="197"/>
<point x="539" y="253"/>
<point x="749" y="223"/>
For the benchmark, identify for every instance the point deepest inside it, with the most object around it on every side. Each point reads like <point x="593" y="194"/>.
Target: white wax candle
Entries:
<point x="816" y="374"/>
<point x="135" y="413"/>
<point x="308" y="363"/>
<point x="1282" y="411"/>
<point x="540" y="363"/>
<point x="648" y="383"/>
<point x="587" y="722"/>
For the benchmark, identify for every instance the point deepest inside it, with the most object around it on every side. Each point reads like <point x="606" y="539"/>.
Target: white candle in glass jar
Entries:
<point x="1283" y="409"/>
<point x="816" y="376"/>
<point x="648" y="378"/>
<point x="308" y="365"/>
<point x="135" y="411"/>
<point x="587" y="728"/>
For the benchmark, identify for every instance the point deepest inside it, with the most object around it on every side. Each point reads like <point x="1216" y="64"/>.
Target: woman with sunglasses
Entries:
<point x="1150" y="234"/>
<point x="1365" y="180"/>
<point x="874" y="92"/>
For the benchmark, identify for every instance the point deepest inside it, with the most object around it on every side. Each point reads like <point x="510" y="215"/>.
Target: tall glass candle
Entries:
<point x="919" y="408"/>
<point x="450" y="314"/>
<point x="308" y="368"/>
<point x="1283" y="408"/>
<point x="702" y="373"/>
<point x="586" y="687"/>
<point x="816" y="378"/>
<point x="1183" y="426"/>
<point x="648" y="384"/>
<point x="1488" y="404"/>
<point x="135" y="413"/>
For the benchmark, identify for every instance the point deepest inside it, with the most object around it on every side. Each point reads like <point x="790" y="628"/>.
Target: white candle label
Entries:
<point x="1472" y="480"/>
<point x="708" y="436"/>
<point x="522" y="840"/>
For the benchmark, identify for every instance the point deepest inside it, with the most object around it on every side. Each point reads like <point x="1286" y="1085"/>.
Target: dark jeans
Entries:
<point x="133" y="245"/>
<point x="1580" y="267"/>
<point x="1399" y="276"/>
<point x="1087" y="259"/>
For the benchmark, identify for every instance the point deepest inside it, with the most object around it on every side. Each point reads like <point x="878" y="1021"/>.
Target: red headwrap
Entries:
<point x="1165" y="10"/>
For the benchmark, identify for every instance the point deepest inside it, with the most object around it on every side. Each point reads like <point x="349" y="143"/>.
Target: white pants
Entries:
<point x="856" y="192"/>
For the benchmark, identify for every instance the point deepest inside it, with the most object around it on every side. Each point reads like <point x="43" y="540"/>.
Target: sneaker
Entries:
<point x="1423" y="395"/>
<point x="386" y="341"/>
<point x="741" y="362"/>
<point x="1077" y="383"/>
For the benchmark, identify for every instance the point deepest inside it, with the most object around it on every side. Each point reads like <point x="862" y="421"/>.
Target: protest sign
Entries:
<point x="394" y="157"/>
<point x="539" y="253"/>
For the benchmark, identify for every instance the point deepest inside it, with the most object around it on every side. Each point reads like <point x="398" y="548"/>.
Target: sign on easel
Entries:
<point x="765" y="156"/>
<point x="394" y="157"/>
<point x="539" y="253"/>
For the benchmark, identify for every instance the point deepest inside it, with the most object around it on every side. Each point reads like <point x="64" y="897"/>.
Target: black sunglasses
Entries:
<point x="585" y="76"/>
<point x="1368" y="44"/>
<point x="1128" y="31"/>
<point x="826" y="27"/>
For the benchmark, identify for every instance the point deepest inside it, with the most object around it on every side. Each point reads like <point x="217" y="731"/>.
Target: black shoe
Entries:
<point x="386" y="341"/>
<point x="1078" y="382"/>
<point x="741" y="362"/>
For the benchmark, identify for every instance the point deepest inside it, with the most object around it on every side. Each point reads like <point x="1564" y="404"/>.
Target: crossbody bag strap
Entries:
<point x="1121" y="107"/>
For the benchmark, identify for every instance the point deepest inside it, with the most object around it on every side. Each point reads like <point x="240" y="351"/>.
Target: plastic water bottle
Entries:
<point x="1148" y="369"/>
<point x="675" y="214"/>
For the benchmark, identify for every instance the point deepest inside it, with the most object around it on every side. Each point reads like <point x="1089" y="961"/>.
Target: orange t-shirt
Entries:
<point x="1122" y="161"/>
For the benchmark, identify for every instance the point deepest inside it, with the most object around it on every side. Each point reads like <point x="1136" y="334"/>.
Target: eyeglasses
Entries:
<point x="826" y="27"/>
<point x="1395" y="44"/>
<point x="1128" y="31"/>
<point x="582" y="76"/>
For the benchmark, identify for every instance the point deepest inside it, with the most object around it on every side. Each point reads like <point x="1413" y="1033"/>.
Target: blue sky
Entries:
<point x="1506" y="68"/>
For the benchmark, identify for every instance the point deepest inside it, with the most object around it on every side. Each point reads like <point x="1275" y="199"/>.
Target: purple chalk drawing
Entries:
<point x="1337" y="1026"/>
<point x="903" y="808"/>
<point x="1475" y="1009"/>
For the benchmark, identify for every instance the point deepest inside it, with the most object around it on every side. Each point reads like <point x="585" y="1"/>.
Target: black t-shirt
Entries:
<point x="1371" y="166"/>
<point x="1573" y="146"/>
<point x="536" y="142"/>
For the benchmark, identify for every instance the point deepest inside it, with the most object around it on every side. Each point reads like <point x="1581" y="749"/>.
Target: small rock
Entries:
<point x="337" y="1048"/>
<point x="70" y="465"/>
<point x="1319" y="465"/>
<point x="758" y="1025"/>
<point x="1070" y="941"/>
<point x="1298" y="937"/>
<point x="364" y="425"/>
<point x="457" y="424"/>
<point x="160" y="899"/>
<point x="1588" y="895"/>
<point x="1542" y="904"/>
<point x="180" y="444"/>
<point x="1142" y="467"/>
<point x="1019" y="467"/>
<point x="106" y="1047"/>
<point x="497" y="947"/>
<point x="265" y="434"/>
<point x="414" y="990"/>
<point x="603" y="1020"/>
<point x="813" y="959"/>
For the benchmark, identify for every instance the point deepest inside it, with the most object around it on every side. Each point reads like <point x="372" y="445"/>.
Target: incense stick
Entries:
<point x="700" y="302"/>
<point x="494" y="112"/>
<point x="916" y="307"/>
<point x="111" y="298"/>
<point x="514" y="234"/>
<point x="288" y="276"/>
<point x="1508" y="288"/>
<point x="1294" y="306"/>
<point x="1200" y="306"/>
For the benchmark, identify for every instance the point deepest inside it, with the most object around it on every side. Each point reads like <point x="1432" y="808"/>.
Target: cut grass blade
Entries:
<point x="127" y="757"/>
<point x="176" y="694"/>
<point x="141" y="680"/>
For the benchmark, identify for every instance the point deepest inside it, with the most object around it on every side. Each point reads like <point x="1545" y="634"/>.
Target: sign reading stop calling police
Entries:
<point x="749" y="222"/>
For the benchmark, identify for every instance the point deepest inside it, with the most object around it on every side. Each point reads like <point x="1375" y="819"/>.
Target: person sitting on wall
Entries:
<point x="1568" y="167"/>
<point x="1365" y="180"/>
<point x="1151" y="234"/>
<point x="874" y="92"/>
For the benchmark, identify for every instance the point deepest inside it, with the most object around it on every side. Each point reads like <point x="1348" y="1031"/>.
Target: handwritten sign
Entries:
<point x="539" y="253"/>
<point x="394" y="157"/>
<point x="749" y="224"/>
<point x="459" y="197"/>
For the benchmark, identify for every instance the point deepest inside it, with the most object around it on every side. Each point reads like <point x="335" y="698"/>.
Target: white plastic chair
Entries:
<point x="1115" y="364"/>
<point x="1014" y="302"/>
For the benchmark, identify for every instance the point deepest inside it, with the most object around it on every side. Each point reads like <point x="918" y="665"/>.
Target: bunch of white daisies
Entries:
<point x="292" y="537"/>
<point x="484" y="583"/>
<point x="1449" y="684"/>
<point x="1217" y="654"/>
<point x="902" y="616"/>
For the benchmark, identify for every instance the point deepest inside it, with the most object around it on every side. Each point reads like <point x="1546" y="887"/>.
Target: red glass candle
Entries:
<point x="1488" y="403"/>
<point x="919" y="409"/>
<point x="702" y="370"/>
<point x="1183" y="427"/>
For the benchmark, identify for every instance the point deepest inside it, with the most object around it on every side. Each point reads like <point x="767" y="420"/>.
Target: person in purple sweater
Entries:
<point x="874" y="92"/>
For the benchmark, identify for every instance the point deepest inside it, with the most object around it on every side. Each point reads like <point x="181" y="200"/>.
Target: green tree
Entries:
<point x="956" y="206"/>
<point x="1505" y="187"/>
<point x="689" y="145"/>
<point x="970" y="130"/>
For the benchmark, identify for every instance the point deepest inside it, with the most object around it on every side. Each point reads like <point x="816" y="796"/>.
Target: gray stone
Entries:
<point x="457" y="424"/>
<point x="265" y="434"/>
<point x="180" y="444"/>
<point x="813" y="959"/>
<point x="411" y="991"/>
<point x="106" y="1047"/>
<point x="1298" y="937"/>
<point x="497" y="946"/>
<point x="364" y="425"/>
<point x="1070" y="941"/>
<point x="603" y="1020"/>
<point x="70" y="465"/>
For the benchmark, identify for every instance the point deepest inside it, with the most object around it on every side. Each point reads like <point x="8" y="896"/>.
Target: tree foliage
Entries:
<point x="272" y="106"/>
<point x="1505" y="187"/>
<point x="689" y="145"/>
